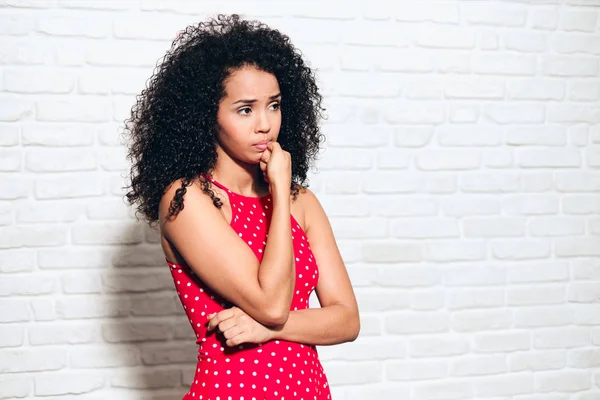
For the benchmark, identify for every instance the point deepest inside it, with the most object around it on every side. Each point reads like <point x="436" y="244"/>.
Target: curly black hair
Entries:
<point x="172" y="130"/>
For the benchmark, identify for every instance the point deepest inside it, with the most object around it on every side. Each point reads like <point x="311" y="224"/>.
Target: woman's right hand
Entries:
<point x="276" y="165"/>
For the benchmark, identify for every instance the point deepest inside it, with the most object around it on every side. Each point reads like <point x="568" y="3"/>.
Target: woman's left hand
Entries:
<point x="238" y="327"/>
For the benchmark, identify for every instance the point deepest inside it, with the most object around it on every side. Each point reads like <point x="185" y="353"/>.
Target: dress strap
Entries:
<point x="217" y="183"/>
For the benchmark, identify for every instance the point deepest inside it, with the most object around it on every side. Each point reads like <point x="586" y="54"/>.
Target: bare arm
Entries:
<point x="337" y="321"/>
<point x="224" y="261"/>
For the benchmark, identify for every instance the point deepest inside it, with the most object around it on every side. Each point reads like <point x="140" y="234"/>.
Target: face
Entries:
<point x="249" y="116"/>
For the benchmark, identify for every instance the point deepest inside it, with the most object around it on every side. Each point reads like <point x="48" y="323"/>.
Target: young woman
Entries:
<point x="220" y="142"/>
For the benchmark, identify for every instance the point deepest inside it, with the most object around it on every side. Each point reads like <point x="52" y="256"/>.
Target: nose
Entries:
<point x="263" y="125"/>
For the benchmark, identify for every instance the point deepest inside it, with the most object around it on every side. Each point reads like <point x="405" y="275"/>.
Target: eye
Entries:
<point x="275" y="106"/>
<point x="244" y="111"/>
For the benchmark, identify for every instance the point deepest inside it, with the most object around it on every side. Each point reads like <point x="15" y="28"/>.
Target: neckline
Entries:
<point x="210" y="178"/>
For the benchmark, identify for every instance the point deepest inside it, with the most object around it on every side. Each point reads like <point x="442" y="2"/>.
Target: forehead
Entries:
<point x="250" y="83"/>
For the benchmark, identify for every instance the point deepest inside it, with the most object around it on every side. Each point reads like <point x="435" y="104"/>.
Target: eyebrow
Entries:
<point x="251" y="101"/>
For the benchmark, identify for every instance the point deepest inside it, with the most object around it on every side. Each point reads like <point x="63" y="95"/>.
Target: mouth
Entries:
<point x="262" y="145"/>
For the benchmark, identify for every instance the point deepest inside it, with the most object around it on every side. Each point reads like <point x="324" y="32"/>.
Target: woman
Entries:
<point x="221" y="141"/>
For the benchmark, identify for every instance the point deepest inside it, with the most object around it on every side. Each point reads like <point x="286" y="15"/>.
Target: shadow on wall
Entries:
<point x="148" y="335"/>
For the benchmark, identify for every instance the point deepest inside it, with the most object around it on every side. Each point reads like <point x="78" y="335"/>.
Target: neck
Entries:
<point x="239" y="177"/>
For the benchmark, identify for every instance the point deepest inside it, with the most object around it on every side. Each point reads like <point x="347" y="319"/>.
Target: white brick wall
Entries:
<point x="460" y="175"/>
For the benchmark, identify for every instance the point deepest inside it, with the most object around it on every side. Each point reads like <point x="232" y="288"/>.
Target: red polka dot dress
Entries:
<point x="277" y="369"/>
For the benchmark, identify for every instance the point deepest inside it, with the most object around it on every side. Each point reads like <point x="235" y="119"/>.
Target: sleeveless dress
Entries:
<point x="277" y="369"/>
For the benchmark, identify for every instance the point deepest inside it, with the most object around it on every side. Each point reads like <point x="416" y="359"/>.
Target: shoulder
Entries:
<point x="311" y="208"/>
<point x="193" y="195"/>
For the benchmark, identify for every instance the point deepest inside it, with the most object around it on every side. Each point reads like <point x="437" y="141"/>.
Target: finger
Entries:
<point x="227" y="324"/>
<point x="232" y="332"/>
<point x="236" y="340"/>
<point x="218" y="318"/>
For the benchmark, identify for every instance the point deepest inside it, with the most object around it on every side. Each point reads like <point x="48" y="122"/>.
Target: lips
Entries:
<point x="262" y="145"/>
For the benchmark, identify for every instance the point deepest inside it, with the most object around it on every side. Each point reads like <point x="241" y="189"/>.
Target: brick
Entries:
<point x="468" y="275"/>
<point x="525" y="113"/>
<point x="60" y="160"/>
<point x="421" y="228"/>
<point x="408" y="277"/>
<point x="536" y="89"/>
<point x="465" y="298"/>
<point x="573" y="113"/>
<point x="468" y="136"/>
<point x="575" y="44"/>
<point x="10" y="160"/>
<point x="492" y="342"/>
<point x="48" y="212"/>
<point x="502" y="64"/>
<point x="525" y="42"/>
<point x="136" y="331"/>
<point x="505" y="385"/>
<point x="354" y="373"/>
<point x="143" y="281"/>
<point x="561" y="338"/>
<point x="415" y="370"/>
<point x="11" y="336"/>
<point x="494" y="16"/>
<point x="357" y="228"/>
<point x="91" y="306"/>
<point x="455" y="251"/>
<point x="56" y="135"/>
<point x="563" y="381"/>
<point x="436" y="160"/>
<point x="586" y="269"/>
<point x="561" y="65"/>
<point x="62" y="383"/>
<point x="12" y="109"/>
<point x="520" y="249"/>
<point x="124" y="53"/>
<point x="546" y="135"/>
<point x="407" y="61"/>
<point x="412" y="323"/>
<point x="106" y="356"/>
<point x="557" y="226"/>
<point x="370" y="301"/>
<point x="391" y="206"/>
<point x="479" y="365"/>
<point x="448" y="390"/>
<point x="16" y="386"/>
<point x="32" y="360"/>
<point x="538" y="295"/>
<point x="543" y="316"/>
<point x="556" y="271"/>
<point x="583" y="292"/>
<point x="17" y="285"/>
<point x="146" y="379"/>
<point x="577" y="247"/>
<point x="83" y="110"/>
<point x="480" y="320"/>
<point x="578" y="20"/>
<point x="544" y="19"/>
<point x="38" y="81"/>
<point x="479" y="227"/>
<point x="391" y="252"/>
<point x="74" y="258"/>
<point x="434" y="346"/>
<point x="474" y="88"/>
<point x="54" y="333"/>
<point x="584" y="181"/>
<point x="415" y="114"/>
<point x="374" y="348"/>
<point x="445" y="38"/>
<point x="412" y="136"/>
<point x="15" y="261"/>
<point x="167" y="354"/>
